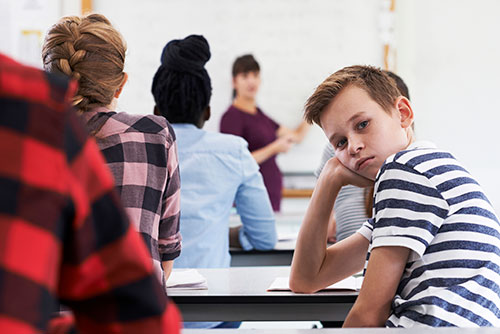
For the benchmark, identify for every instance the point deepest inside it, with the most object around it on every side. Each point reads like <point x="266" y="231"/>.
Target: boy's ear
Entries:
<point x="403" y="106"/>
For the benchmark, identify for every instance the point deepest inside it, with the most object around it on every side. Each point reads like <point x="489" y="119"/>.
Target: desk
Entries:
<point x="239" y="294"/>
<point x="417" y="330"/>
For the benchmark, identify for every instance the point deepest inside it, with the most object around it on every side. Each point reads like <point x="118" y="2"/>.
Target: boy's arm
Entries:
<point x="331" y="236"/>
<point x="314" y="266"/>
<point x="383" y="274"/>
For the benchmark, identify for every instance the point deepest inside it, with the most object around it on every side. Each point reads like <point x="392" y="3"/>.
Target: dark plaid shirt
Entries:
<point x="63" y="233"/>
<point x="142" y="155"/>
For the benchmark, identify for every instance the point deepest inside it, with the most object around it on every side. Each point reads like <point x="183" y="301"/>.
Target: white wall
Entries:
<point x="449" y="54"/>
<point x="447" y="51"/>
<point x="297" y="42"/>
<point x="20" y="20"/>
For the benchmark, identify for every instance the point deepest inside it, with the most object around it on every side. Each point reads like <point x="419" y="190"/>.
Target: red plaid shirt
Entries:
<point x="63" y="233"/>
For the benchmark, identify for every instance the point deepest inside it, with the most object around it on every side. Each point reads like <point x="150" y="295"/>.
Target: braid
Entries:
<point x="90" y="51"/>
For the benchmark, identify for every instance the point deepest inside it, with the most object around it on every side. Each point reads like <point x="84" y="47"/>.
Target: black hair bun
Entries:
<point x="186" y="55"/>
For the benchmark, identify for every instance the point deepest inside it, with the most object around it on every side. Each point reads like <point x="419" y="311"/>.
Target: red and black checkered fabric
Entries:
<point x="63" y="233"/>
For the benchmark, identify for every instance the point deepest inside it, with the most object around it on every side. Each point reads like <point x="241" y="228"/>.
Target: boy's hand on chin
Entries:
<point x="337" y="170"/>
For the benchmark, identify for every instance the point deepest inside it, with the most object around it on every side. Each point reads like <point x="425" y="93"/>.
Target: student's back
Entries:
<point x="63" y="233"/>
<point x="140" y="150"/>
<point x="217" y="170"/>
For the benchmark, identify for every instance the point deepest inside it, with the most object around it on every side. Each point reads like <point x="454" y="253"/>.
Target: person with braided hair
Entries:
<point x="141" y="151"/>
<point x="217" y="169"/>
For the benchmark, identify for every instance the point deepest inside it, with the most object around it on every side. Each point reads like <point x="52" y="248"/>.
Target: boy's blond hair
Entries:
<point x="381" y="88"/>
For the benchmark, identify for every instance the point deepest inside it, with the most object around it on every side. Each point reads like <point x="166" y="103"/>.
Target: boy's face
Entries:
<point x="362" y="133"/>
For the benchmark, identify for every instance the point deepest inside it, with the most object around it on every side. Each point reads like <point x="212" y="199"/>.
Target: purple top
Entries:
<point x="258" y="130"/>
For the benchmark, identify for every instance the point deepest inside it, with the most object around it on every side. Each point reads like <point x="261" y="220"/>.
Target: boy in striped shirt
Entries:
<point x="431" y="252"/>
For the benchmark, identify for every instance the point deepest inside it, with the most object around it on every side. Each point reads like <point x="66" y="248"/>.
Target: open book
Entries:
<point x="189" y="279"/>
<point x="351" y="283"/>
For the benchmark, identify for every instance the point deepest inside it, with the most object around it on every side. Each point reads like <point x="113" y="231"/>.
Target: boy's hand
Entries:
<point x="334" y="168"/>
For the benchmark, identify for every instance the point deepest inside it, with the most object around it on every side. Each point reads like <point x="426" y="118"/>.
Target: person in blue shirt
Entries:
<point x="217" y="170"/>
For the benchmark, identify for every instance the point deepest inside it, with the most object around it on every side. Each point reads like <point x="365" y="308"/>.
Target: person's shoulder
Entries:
<point x="154" y="129"/>
<point x="418" y="152"/>
<point x="422" y="158"/>
<point x="226" y="142"/>
<point x="142" y="123"/>
<point x="232" y="113"/>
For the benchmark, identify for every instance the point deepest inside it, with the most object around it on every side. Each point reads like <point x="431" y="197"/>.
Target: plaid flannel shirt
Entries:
<point x="142" y="155"/>
<point x="63" y="232"/>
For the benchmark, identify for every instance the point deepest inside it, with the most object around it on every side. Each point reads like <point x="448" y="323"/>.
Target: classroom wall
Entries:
<point x="446" y="50"/>
<point x="449" y="54"/>
<point x="23" y="24"/>
<point x="297" y="42"/>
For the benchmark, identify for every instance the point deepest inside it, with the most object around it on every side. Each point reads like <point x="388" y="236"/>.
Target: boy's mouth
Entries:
<point x="361" y="163"/>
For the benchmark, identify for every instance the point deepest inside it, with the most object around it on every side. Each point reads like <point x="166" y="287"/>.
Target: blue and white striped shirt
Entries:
<point x="426" y="201"/>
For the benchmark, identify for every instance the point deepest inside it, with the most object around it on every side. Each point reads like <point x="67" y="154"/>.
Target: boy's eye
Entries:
<point x="362" y="125"/>
<point x="340" y="143"/>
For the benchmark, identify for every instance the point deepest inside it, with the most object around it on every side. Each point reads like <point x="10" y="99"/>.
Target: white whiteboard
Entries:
<point x="297" y="43"/>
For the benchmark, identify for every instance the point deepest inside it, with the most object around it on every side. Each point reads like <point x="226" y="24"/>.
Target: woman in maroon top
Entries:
<point x="265" y="137"/>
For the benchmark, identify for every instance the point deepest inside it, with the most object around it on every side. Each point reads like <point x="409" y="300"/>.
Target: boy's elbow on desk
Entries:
<point x="367" y="318"/>
<point x="299" y="286"/>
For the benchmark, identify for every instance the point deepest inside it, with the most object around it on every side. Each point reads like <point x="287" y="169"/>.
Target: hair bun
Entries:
<point x="186" y="55"/>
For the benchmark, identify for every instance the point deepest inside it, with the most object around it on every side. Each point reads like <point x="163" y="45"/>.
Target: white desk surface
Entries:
<point x="239" y="294"/>
<point x="349" y="331"/>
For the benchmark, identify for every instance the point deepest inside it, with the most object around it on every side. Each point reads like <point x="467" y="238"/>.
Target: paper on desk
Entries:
<point x="350" y="283"/>
<point x="189" y="279"/>
<point x="287" y="236"/>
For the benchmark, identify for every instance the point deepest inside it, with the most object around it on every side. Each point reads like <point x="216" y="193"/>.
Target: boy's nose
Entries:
<point x="355" y="146"/>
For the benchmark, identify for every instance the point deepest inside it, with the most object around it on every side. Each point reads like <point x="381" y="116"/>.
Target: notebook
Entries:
<point x="188" y="279"/>
<point x="351" y="283"/>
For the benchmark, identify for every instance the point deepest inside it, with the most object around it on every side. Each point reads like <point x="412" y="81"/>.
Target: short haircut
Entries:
<point x="379" y="86"/>
<point x="245" y="64"/>
<point x="403" y="89"/>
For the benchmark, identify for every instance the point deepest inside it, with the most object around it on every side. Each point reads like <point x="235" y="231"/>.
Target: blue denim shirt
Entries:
<point x="217" y="171"/>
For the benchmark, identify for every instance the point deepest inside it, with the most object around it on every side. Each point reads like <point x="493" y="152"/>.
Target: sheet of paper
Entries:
<point x="350" y="283"/>
<point x="287" y="236"/>
<point x="189" y="279"/>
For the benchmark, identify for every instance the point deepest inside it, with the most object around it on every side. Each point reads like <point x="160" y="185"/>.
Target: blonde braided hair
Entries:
<point x="89" y="50"/>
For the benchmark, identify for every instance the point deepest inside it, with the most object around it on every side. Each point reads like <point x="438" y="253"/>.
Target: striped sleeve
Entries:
<point x="409" y="210"/>
<point x="366" y="229"/>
